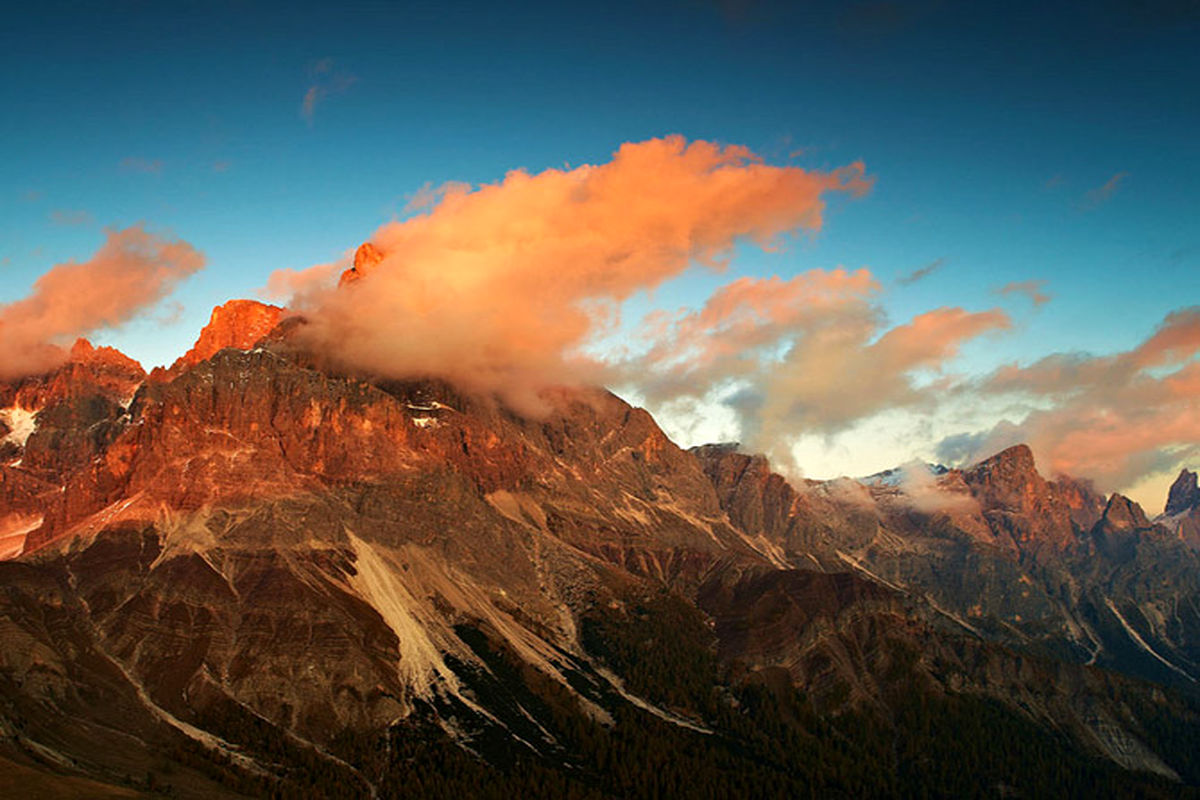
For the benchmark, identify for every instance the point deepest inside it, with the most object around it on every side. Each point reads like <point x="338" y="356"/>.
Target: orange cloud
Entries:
<point x="1102" y="194"/>
<point x="326" y="81"/>
<point x="797" y="357"/>
<point x="1030" y="289"/>
<point x="500" y="286"/>
<point x="1116" y="419"/>
<point x="740" y="329"/>
<point x="130" y="272"/>
<point x="838" y="373"/>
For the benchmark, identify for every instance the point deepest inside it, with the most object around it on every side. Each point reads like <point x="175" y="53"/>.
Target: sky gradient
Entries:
<point x="1034" y="159"/>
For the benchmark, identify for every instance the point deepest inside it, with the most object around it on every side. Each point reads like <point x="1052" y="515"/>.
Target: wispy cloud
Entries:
<point x="923" y="272"/>
<point x="141" y="165"/>
<point x="1030" y="289"/>
<point x="129" y="274"/>
<point x="326" y="80"/>
<point x="812" y="355"/>
<point x="1102" y="194"/>
<point x="68" y="218"/>
<point x="221" y="165"/>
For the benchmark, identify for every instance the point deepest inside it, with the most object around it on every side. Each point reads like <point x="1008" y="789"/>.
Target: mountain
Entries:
<point x="1051" y="567"/>
<point x="254" y="575"/>
<point x="1182" y="512"/>
<point x="239" y="324"/>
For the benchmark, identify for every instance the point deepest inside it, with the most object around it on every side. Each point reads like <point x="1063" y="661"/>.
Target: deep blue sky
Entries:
<point x="990" y="130"/>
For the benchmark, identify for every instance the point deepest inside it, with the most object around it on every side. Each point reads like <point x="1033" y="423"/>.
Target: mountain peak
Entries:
<point x="84" y="352"/>
<point x="237" y="323"/>
<point x="365" y="259"/>
<point x="1124" y="514"/>
<point x="1184" y="494"/>
<point x="1019" y="456"/>
<point x="1012" y="466"/>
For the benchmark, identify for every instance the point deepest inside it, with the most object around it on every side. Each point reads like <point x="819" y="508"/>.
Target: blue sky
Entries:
<point x="991" y="130"/>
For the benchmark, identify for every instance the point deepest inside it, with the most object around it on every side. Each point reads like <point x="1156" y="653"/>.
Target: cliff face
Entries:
<point x="239" y="324"/>
<point x="1182" y="513"/>
<point x="1184" y="495"/>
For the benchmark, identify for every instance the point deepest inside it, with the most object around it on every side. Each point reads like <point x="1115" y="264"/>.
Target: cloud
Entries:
<point x="1101" y="194"/>
<point x="67" y="218"/>
<point x="303" y="287"/>
<point x="325" y="80"/>
<point x="1114" y="418"/>
<point x="1030" y="289"/>
<point x="308" y="106"/>
<point x="740" y="327"/>
<point x="838" y="373"/>
<point x="810" y="355"/>
<point x="130" y="272"/>
<point x="921" y="273"/>
<point x="141" y="165"/>
<point x="502" y="286"/>
<point x="221" y="165"/>
<point x="927" y="495"/>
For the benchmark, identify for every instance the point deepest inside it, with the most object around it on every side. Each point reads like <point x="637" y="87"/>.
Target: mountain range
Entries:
<point x="255" y="573"/>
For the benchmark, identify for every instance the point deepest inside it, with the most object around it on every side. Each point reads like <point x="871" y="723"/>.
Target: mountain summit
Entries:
<point x="1184" y="494"/>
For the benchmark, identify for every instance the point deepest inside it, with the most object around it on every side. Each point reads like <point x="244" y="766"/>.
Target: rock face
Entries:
<point x="365" y="259"/>
<point x="1020" y="505"/>
<point x="273" y="578"/>
<point x="1184" y="494"/>
<point x="1182" y="513"/>
<point x="239" y="324"/>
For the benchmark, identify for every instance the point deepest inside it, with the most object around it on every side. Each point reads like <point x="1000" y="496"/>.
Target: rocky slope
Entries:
<point x="258" y="575"/>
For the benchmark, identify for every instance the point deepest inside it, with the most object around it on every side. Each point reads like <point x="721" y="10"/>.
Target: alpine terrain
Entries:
<point x="258" y="574"/>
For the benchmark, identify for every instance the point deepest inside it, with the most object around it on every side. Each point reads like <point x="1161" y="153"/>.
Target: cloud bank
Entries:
<point x="500" y="286"/>
<point x="131" y="272"/>
<point x="1113" y="418"/>
<point x="506" y="288"/>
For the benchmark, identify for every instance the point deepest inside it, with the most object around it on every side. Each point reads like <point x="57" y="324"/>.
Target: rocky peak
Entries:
<point x="1014" y="464"/>
<point x="1020" y="504"/>
<point x="1084" y="504"/>
<point x="88" y="371"/>
<point x="1009" y="479"/>
<point x="239" y="324"/>
<point x="1184" y="494"/>
<point x="1121" y="513"/>
<point x="83" y="352"/>
<point x="365" y="259"/>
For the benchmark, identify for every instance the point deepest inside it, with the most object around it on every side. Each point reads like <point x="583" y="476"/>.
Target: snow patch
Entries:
<point x="21" y="423"/>
<point x="432" y="406"/>
<point x="127" y="400"/>
<point x="897" y="475"/>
